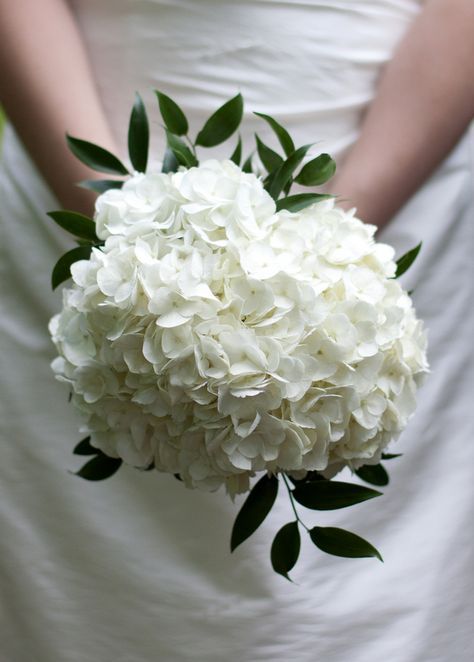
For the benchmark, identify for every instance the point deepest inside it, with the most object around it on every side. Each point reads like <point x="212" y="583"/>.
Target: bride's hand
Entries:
<point x="424" y="103"/>
<point x="47" y="89"/>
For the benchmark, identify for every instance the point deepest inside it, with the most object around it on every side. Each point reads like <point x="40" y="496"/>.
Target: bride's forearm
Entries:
<point x="424" y="103"/>
<point x="47" y="89"/>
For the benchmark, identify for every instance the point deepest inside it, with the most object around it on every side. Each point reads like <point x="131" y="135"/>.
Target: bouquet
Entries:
<point x="221" y="329"/>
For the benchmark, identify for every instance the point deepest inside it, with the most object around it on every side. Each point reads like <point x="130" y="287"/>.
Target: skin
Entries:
<point x="424" y="103"/>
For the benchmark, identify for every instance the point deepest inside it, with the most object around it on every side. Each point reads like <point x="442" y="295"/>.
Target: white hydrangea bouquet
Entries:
<point x="219" y="329"/>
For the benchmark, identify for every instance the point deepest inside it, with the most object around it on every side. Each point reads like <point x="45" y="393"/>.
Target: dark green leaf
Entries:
<point x="340" y="542"/>
<point x="330" y="495"/>
<point x="391" y="456"/>
<point x="138" y="135"/>
<point x="247" y="167"/>
<point x="96" y="157"/>
<point x="170" y="162"/>
<point x="173" y="117"/>
<point x="75" y="223"/>
<point x="254" y="510"/>
<point x="84" y="448"/>
<point x="178" y="477"/>
<point x="405" y="262"/>
<point x="317" y="171"/>
<point x="237" y="153"/>
<point x="222" y="124"/>
<point x="100" y="467"/>
<point x="282" y="134"/>
<point x="375" y="474"/>
<point x="280" y="177"/>
<point x="300" y="201"/>
<point x="270" y="159"/>
<point x="62" y="268"/>
<point x="181" y="151"/>
<point x="101" y="185"/>
<point x="285" y="549"/>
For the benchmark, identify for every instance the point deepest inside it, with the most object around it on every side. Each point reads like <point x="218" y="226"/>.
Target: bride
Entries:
<point x="138" y="568"/>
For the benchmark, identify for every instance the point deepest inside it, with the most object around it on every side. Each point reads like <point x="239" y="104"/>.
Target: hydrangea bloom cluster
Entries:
<point x="214" y="337"/>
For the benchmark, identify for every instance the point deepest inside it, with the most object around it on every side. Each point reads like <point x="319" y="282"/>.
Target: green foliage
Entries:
<point x="391" y="456"/>
<point x="100" y="467"/>
<point x="222" y="124"/>
<point x="247" y="167"/>
<point x="181" y="151"/>
<point x="170" y="162"/>
<point x="96" y="157"/>
<point x="297" y="202"/>
<point x="286" y="549"/>
<point x="254" y="510"/>
<point x="317" y="171"/>
<point x="270" y="159"/>
<point x="84" y="448"/>
<point x="340" y="542"/>
<point x="375" y="474"/>
<point x="62" y="268"/>
<point x="331" y="495"/>
<point x="237" y="153"/>
<point x="282" y="176"/>
<point x="138" y="135"/>
<point x="405" y="262"/>
<point x="281" y="133"/>
<point x="173" y="117"/>
<point x="101" y="185"/>
<point x="75" y="223"/>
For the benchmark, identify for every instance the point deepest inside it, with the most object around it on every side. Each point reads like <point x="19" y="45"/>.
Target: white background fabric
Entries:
<point x="138" y="568"/>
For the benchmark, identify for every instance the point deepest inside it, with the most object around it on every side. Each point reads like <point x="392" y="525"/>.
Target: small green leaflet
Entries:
<point x="138" y="135"/>
<point x="317" y="171"/>
<point x="270" y="159"/>
<point x="170" y="162"/>
<point x="280" y="178"/>
<point x="254" y="510"/>
<point x="100" y="185"/>
<point x="247" y="167"/>
<point x="75" y="223"/>
<point x="375" y="474"/>
<point x="331" y="495"/>
<point x="96" y="157"/>
<point x="340" y="542"/>
<point x="281" y="133"/>
<point x="285" y="549"/>
<point x="181" y="151"/>
<point x="237" y="153"/>
<point x="391" y="456"/>
<point x="100" y="467"/>
<point x="300" y="201"/>
<point x="222" y="124"/>
<point x="84" y="448"/>
<point x="62" y="268"/>
<point x="173" y="117"/>
<point x="405" y="262"/>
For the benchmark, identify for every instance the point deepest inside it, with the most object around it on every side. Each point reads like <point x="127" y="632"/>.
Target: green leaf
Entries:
<point x="237" y="153"/>
<point x="173" y="117"/>
<point x="405" y="262"/>
<point x="330" y="495"/>
<point x="222" y="124"/>
<point x="270" y="159"/>
<point x="375" y="474"/>
<point x="75" y="223"/>
<point x="181" y="151"/>
<point x="282" y="134"/>
<point x="285" y="549"/>
<point x="96" y="157"/>
<point x="62" y="268"/>
<point x="247" y="167"/>
<point x="100" y="467"/>
<point x="84" y="448"/>
<point x="317" y="171"/>
<point x="170" y="162"/>
<point x="281" y="177"/>
<point x="300" y="201"/>
<point x="391" y="456"/>
<point x="138" y="135"/>
<point x="254" y="510"/>
<point x="340" y="542"/>
<point x="101" y="185"/>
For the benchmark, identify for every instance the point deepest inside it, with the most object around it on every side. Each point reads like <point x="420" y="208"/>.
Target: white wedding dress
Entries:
<point x="137" y="568"/>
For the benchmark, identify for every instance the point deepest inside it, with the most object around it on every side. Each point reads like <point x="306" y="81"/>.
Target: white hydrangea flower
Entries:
<point x="214" y="337"/>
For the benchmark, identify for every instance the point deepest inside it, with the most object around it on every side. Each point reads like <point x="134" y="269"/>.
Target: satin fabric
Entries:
<point x="138" y="568"/>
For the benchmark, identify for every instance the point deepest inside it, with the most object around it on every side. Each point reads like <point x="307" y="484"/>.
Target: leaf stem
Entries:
<point x="292" y="501"/>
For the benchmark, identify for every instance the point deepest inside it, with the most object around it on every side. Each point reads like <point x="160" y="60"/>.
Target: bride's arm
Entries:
<point x="424" y="103"/>
<point x="47" y="89"/>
